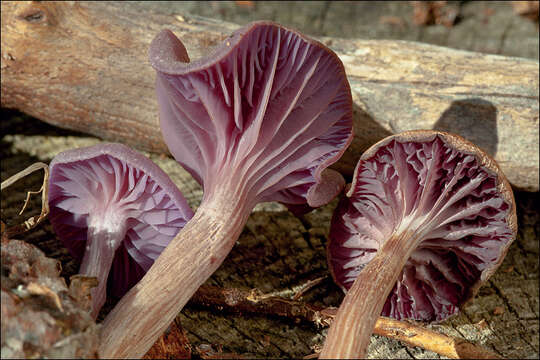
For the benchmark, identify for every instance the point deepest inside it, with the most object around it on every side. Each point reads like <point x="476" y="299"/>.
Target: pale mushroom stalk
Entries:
<point x="115" y="211"/>
<point x="101" y="245"/>
<point x="148" y="309"/>
<point x="427" y="220"/>
<point x="364" y="302"/>
<point x="260" y="119"/>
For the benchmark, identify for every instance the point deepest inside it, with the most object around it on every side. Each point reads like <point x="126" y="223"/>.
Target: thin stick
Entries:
<point x="44" y="190"/>
<point x="244" y="301"/>
<point x="308" y="286"/>
<point x="413" y="335"/>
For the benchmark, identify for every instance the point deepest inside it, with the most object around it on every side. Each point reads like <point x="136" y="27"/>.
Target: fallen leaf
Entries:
<point x="80" y="287"/>
<point x="434" y="12"/>
<point x="42" y="290"/>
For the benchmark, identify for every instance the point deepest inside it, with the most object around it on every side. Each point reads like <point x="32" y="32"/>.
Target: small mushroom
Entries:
<point x="258" y="120"/>
<point x="427" y="220"/>
<point x="115" y="210"/>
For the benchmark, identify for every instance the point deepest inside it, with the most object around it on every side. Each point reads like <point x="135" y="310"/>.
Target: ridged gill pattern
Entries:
<point x="110" y="194"/>
<point x="450" y="203"/>
<point x="267" y="114"/>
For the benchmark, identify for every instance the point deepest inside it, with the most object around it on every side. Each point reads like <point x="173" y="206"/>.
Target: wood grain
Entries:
<point x="83" y="66"/>
<point x="278" y="254"/>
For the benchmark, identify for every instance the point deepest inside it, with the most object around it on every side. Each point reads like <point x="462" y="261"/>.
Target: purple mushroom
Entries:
<point x="258" y="120"/>
<point x="427" y="220"/>
<point x="115" y="210"/>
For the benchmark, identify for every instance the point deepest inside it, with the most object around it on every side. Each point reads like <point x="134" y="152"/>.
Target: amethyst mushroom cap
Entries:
<point x="269" y="111"/>
<point x="115" y="211"/>
<point x="427" y="220"/>
<point x="259" y="119"/>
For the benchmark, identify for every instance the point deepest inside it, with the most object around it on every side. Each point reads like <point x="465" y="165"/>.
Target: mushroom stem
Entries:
<point x="101" y="245"/>
<point x="145" y="312"/>
<point x="355" y="320"/>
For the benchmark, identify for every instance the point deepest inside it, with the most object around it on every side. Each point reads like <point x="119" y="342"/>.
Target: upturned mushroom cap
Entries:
<point x="267" y="112"/>
<point x="446" y="191"/>
<point x="118" y="190"/>
<point x="258" y="120"/>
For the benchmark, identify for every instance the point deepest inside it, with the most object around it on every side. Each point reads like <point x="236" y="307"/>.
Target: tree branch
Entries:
<point x="254" y="302"/>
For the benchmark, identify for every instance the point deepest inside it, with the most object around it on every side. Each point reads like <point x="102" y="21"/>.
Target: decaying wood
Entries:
<point x="173" y="344"/>
<point x="280" y="254"/>
<point x="84" y="66"/>
<point x="244" y="301"/>
<point x="41" y="316"/>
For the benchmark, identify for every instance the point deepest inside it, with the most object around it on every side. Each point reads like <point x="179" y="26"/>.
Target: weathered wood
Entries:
<point x="278" y="254"/>
<point x="409" y="332"/>
<point x="83" y="66"/>
<point x="41" y="316"/>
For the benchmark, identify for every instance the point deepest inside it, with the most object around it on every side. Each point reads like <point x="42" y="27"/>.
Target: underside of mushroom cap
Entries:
<point x="445" y="191"/>
<point x="266" y="113"/>
<point x="112" y="186"/>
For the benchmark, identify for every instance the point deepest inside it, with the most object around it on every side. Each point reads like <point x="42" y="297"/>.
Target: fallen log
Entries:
<point x="83" y="66"/>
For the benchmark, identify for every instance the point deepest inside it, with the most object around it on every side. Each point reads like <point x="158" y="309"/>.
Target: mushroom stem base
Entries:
<point x="97" y="261"/>
<point x="146" y="311"/>
<point x="351" y="330"/>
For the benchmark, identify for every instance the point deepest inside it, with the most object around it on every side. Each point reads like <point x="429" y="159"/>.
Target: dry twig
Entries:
<point x="244" y="301"/>
<point x="308" y="286"/>
<point x="44" y="190"/>
<point x="441" y="344"/>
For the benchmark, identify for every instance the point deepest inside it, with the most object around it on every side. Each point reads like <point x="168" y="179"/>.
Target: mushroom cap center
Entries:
<point x="110" y="222"/>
